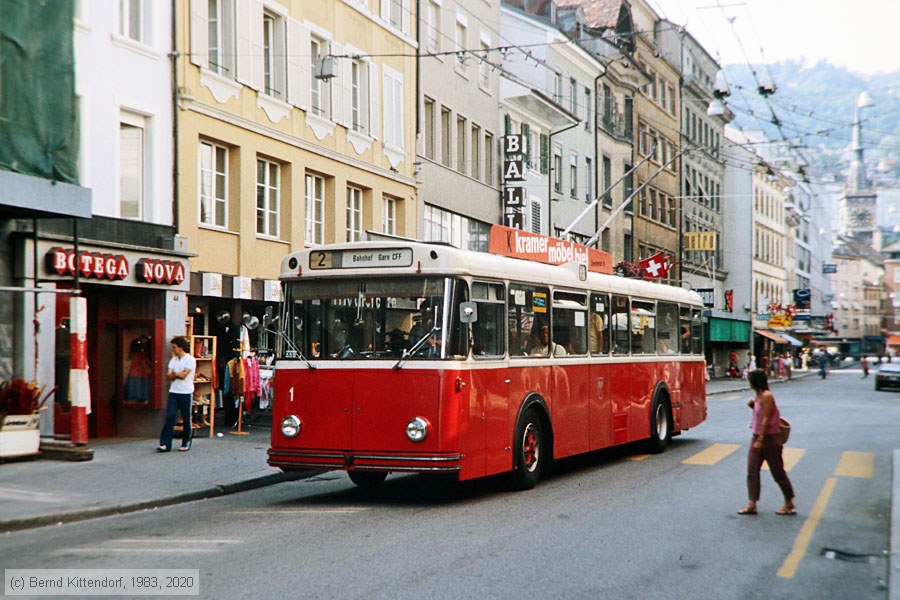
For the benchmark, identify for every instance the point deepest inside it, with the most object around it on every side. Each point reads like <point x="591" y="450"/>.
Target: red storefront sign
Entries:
<point x="96" y="265"/>
<point x="155" y="270"/>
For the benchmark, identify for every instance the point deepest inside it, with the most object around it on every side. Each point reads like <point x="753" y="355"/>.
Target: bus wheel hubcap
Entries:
<point x="531" y="450"/>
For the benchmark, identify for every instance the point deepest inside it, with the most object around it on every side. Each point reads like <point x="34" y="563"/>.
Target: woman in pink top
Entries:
<point x="765" y="446"/>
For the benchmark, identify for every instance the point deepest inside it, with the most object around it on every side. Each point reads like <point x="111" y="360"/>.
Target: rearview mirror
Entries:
<point x="468" y="312"/>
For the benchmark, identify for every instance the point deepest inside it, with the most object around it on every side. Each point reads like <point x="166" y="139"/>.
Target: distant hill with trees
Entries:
<point x="814" y="105"/>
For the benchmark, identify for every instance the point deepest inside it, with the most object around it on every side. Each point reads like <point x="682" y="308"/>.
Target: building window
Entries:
<point x="393" y="108"/>
<point x="354" y="214"/>
<point x="461" y="144"/>
<point x="557" y="88"/>
<point x="461" y="31"/>
<point x="557" y="169"/>
<point x="607" y="181"/>
<point x="429" y="128"/>
<point x="588" y="179"/>
<point x="433" y="17"/>
<point x="131" y="20"/>
<point x="573" y="175"/>
<point x="320" y="89"/>
<point x="573" y="97"/>
<point x="274" y="55"/>
<point x="360" y="97"/>
<point x="132" y="167"/>
<point x="315" y="209"/>
<point x="213" y="185"/>
<point x="445" y="136"/>
<point x="489" y="160"/>
<point x="267" y="184"/>
<point x="588" y="109"/>
<point x="475" y="154"/>
<point x="394" y="14"/>
<point x="389" y="215"/>
<point x="484" y="67"/>
<point x="220" y="37"/>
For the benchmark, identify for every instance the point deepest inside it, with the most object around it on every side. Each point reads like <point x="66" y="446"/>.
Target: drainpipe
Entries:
<point x="597" y="153"/>
<point x="174" y="57"/>
<point x="550" y="171"/>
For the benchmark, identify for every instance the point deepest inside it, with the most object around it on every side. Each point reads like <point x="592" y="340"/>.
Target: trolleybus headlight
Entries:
<point x="417" y="429"/>
<point x="291" y="426"/>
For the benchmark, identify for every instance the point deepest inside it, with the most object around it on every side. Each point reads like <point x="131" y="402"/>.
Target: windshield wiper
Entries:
<point x="416" y="347"/>
<point x="292" y="348"/>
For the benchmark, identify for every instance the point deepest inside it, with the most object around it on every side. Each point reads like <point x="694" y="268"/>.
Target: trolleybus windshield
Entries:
<point x="376" y="318"/>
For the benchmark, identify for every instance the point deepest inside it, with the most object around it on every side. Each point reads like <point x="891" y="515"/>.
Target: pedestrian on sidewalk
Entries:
<point x="182" y="367"/>
<point x="765" y="446"/>
<point x="865" y="366"/>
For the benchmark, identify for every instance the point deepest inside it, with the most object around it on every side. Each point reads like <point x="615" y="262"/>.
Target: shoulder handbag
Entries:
<point x="784" y="430"/>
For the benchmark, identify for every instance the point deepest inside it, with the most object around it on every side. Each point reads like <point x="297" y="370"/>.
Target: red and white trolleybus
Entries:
<point x="402" y="356"/>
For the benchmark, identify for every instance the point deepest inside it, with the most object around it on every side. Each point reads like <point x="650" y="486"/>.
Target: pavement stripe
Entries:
<point x="856" y="464"/>
<point x="711" y="455"/>
<point x="791" y="457"/>
<point x="801" y="542"/>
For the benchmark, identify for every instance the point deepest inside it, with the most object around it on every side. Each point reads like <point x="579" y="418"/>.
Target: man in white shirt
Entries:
<point x="182" y="367"/>
<point x="544" y="346"/>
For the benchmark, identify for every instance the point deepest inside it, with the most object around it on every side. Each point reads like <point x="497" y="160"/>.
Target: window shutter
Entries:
<point x="373" y="101"/>
<point x="535" y="214"/>
<point x="305" y="98"/>
<point x="545" y="154"/>
<point x="256" y="45"/>
<point x="294" y="51"/>
<point x="200" y="33"/>
<point x="507" y="124"/>
<point x="386" y="10"/>
<point x="244" y="43"/>
<point x="526" y="140"/>
<point x="337" y="84"/>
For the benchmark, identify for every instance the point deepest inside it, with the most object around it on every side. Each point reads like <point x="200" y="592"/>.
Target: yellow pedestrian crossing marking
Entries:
<point x="711" y="455"/>
<point x="856" y="464"/>
<point x="791" y="457"/>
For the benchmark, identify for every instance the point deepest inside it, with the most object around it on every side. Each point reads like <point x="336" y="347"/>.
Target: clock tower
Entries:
<point x="859" y="200"/>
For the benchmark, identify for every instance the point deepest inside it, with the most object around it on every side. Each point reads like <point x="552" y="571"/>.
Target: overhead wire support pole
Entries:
<point x="596" y="200"/>
<point x="628" y="200"/>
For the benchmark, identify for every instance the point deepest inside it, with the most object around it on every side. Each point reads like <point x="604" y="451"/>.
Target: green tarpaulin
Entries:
<point x="38" y="121"/>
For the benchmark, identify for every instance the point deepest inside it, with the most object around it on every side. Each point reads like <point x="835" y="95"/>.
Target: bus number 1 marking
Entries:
<point x="291" y="392"/>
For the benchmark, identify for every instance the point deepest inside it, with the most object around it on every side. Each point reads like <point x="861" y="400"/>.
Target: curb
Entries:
<point x="216" y="491"/>
<point x="893" y="573"/>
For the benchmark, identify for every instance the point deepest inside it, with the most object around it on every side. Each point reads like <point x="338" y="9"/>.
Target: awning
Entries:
<point x="772" y="336"/>
<point x="794" y="341"/>
<point x="893" y="340"/>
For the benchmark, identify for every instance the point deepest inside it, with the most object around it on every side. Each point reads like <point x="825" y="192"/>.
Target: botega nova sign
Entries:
<point x="97" y="265"/>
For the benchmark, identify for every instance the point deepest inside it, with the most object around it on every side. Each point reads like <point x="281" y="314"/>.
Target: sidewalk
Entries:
<point x="726" y="385"/>
<point x="127" y="476"/>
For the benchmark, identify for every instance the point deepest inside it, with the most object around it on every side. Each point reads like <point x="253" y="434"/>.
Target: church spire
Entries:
<point x="856" y="178"/>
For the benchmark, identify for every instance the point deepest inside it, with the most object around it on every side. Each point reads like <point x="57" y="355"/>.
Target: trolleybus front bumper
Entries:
<point x="288" y="459"/>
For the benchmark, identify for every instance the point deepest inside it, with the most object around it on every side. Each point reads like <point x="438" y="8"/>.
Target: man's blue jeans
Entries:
<point x="177" y="402"/>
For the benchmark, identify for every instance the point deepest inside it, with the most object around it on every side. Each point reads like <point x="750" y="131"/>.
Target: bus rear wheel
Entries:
<point x="529" y="451"/>
<point x="660" y="425"/>
<point x="367" y="480"/>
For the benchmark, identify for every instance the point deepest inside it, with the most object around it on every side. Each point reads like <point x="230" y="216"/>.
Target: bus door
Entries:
<point x="571" y="373"/>
<point x="488" y="399"/>
<point x="599" y="385"/>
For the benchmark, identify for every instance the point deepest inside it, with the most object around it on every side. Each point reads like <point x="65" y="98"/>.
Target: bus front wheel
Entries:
<point x="367" y="480"/>
<point x="529" y="449"/>
<point x="660" y="425"/>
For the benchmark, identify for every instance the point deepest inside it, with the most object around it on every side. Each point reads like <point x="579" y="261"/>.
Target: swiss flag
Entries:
<point x="655" y="267"/>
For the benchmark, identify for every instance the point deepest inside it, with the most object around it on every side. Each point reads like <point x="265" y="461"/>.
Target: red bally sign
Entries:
<point x="155" y="270"/>
<point x="95" y="265"/>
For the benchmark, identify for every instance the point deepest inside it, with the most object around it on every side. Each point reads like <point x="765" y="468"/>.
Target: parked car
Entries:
<point x="888" y="375"/>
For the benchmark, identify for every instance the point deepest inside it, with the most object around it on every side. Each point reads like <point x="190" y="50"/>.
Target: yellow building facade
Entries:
<point x="295" y="127"/>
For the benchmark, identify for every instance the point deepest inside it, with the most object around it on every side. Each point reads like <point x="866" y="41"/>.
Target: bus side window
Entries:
<point x="696" y="332"/>
<point x="570" y="323"/>
<point x="667" y="328"/>
<point x="527" y="306"/>
<point x="643" y="327"/>
<point x="488" y="332"/>
<point x="619" y="322"/>
<point x="598" y="321"/>
<point x="685" y="324"/>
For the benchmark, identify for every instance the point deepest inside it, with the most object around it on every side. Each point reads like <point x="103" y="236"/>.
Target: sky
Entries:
<point x="857" y="34"/>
